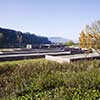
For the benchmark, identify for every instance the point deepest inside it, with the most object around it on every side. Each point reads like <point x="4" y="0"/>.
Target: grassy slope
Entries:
<point x="34" y="79"/>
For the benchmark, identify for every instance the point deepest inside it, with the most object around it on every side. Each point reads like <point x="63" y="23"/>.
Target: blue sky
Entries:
<point x="60" y="18"/>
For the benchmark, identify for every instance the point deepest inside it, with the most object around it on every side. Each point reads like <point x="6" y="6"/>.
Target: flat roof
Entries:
<point x="69" y="58"/>
<point x="80" y="55"/>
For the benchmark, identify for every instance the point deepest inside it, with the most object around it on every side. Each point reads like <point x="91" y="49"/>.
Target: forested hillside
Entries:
<point x="11" y="38"/>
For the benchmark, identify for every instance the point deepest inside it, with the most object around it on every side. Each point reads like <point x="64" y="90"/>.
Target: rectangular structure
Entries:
<point x="71" y="58"/>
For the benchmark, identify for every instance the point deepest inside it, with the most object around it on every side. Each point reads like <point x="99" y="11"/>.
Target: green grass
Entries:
<point x="45" y="80"/>
<point x="20" y="61"/>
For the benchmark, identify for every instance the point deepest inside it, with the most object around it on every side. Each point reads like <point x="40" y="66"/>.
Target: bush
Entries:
<point x="42" y="79"/>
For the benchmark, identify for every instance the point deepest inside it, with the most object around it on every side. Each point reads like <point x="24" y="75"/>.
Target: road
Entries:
<point x="11" y="57"/>
<point x="30" y="51"/>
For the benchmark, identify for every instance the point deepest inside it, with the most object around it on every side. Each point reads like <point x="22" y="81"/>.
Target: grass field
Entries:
<point x="45" y="80"/>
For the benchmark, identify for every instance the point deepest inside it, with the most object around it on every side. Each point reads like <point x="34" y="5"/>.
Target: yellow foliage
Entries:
<point x="89" y="40"/>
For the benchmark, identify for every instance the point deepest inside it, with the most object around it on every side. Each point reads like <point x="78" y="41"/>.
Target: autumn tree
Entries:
<point x="90" y="36"/>
<point x="82" y="40"/>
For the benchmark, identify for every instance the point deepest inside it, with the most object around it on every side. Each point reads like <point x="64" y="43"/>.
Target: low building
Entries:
<point x="29" y="46"/>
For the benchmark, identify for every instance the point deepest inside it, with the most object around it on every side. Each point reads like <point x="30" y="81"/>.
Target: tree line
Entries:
<point x="14" y="39"/>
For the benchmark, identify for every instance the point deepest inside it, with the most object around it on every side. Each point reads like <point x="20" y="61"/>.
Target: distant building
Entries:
<point x="29" y="46"/>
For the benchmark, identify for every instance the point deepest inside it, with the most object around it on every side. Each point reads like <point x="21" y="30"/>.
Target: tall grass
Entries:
<point x="42" y="79"/>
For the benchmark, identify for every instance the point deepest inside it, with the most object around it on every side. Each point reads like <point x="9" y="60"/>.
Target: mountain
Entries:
<point x="58" y="39"/>
<point x="11" y="38"/>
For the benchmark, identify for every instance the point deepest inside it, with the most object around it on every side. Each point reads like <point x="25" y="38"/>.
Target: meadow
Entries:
<point x="45" y="80"/>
